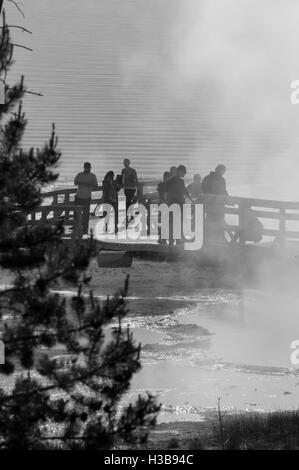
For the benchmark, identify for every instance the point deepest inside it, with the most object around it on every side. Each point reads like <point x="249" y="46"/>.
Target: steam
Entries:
<point x="247" y="54"/>
<point x="168" y="82"/>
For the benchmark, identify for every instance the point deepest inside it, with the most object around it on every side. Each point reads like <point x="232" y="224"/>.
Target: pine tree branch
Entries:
<point x="17" y="7"/>
<point x="25" y="30"/>
<point x="33" y="93"/>
<point x="7" y="398"/>
<point x="41" y="318"/>
<point x="23" y="47"/>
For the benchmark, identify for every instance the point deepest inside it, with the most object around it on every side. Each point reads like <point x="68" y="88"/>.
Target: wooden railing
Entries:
<point x="71" y="214"/>
<point x="263" y="209"/>
<point x="63" y="205"/>
<point x="66" y="197"/>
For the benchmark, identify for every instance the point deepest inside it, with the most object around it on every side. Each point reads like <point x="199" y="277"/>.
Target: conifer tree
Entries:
<point x="71" y="401"/>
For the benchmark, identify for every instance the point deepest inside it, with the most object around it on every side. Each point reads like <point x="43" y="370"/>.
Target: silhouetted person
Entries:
<point x="86" y="182"/>
<point x="214" y="184"/>
<point x="110" y="194"/>
<point x="176" y="194"/>
<point x="130" y="182"/>
<point x="194" y="188"/>
<point x="251" y="229"/>
<point x="176" y="189"/>
<point x="162" y="187"/>
<point x="162" y="191"/>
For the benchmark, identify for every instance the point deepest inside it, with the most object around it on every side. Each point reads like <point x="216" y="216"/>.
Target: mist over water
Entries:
<point x="229" y="343"/>
<point x="193" y="81"/>
<point x="208" y="333"/>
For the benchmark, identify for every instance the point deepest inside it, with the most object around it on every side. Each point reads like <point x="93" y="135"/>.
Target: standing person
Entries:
<point x="110" y="195"/>
<point x="162" y="191"/>
<point x="195" y="187"/>
<point x="176" y="189"/>
<point x="130" y="182"/>
<point x="86" y="182"/>
<point x="195" y="190"/>
<point x="162" y="187"/>
<point x="176" y="194"/>
<point x="215" y="184"/>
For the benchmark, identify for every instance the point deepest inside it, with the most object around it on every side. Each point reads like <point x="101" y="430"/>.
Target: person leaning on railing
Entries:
<point x="86" y="182"/>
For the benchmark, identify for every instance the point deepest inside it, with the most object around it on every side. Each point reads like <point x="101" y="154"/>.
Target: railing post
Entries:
<point x="282" y="226"/>
<point x="77" y="227"/>
<point x="44" y="213"/>
<point x="66" y="198"/>
<point x="242" y="221"/>
<point x="148" y="217"/>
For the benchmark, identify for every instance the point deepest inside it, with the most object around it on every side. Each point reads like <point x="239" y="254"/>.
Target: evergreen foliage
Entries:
<point x="67" y="374"/>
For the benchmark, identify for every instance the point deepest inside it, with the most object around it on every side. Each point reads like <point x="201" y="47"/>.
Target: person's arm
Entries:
<point x="189" y="196"/>
<point x="224" y="187"/>
<point x="136" y="183"/>
<point x="95" y="183"/>
<point x="187" y="193"/>
<point x="161" y="191"/>
<point x="204" y="185"/>
<point x="118" y="183"/>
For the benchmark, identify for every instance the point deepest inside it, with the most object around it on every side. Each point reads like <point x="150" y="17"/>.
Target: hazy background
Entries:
<point x="181" y="81"/>
<point x="166" y="81"/>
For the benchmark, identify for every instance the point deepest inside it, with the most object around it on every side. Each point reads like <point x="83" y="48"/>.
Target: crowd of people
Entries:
<point x="171" y="190"/>
<point x="87" y="182"/>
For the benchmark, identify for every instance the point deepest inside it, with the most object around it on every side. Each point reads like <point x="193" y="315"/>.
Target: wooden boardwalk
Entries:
<point x="274" y="213"/>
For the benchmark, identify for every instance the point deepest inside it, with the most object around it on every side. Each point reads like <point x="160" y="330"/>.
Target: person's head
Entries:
<point x="87" y="167"/>
<point x="197" y="178"/>
<point x="127" y="162"/>
<point x="166" y="175"/>
<point x="220" y="170"/>
<point x="173" y="171"/>
<point x="109" y="176"/>
<point x="181" y="171"/>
